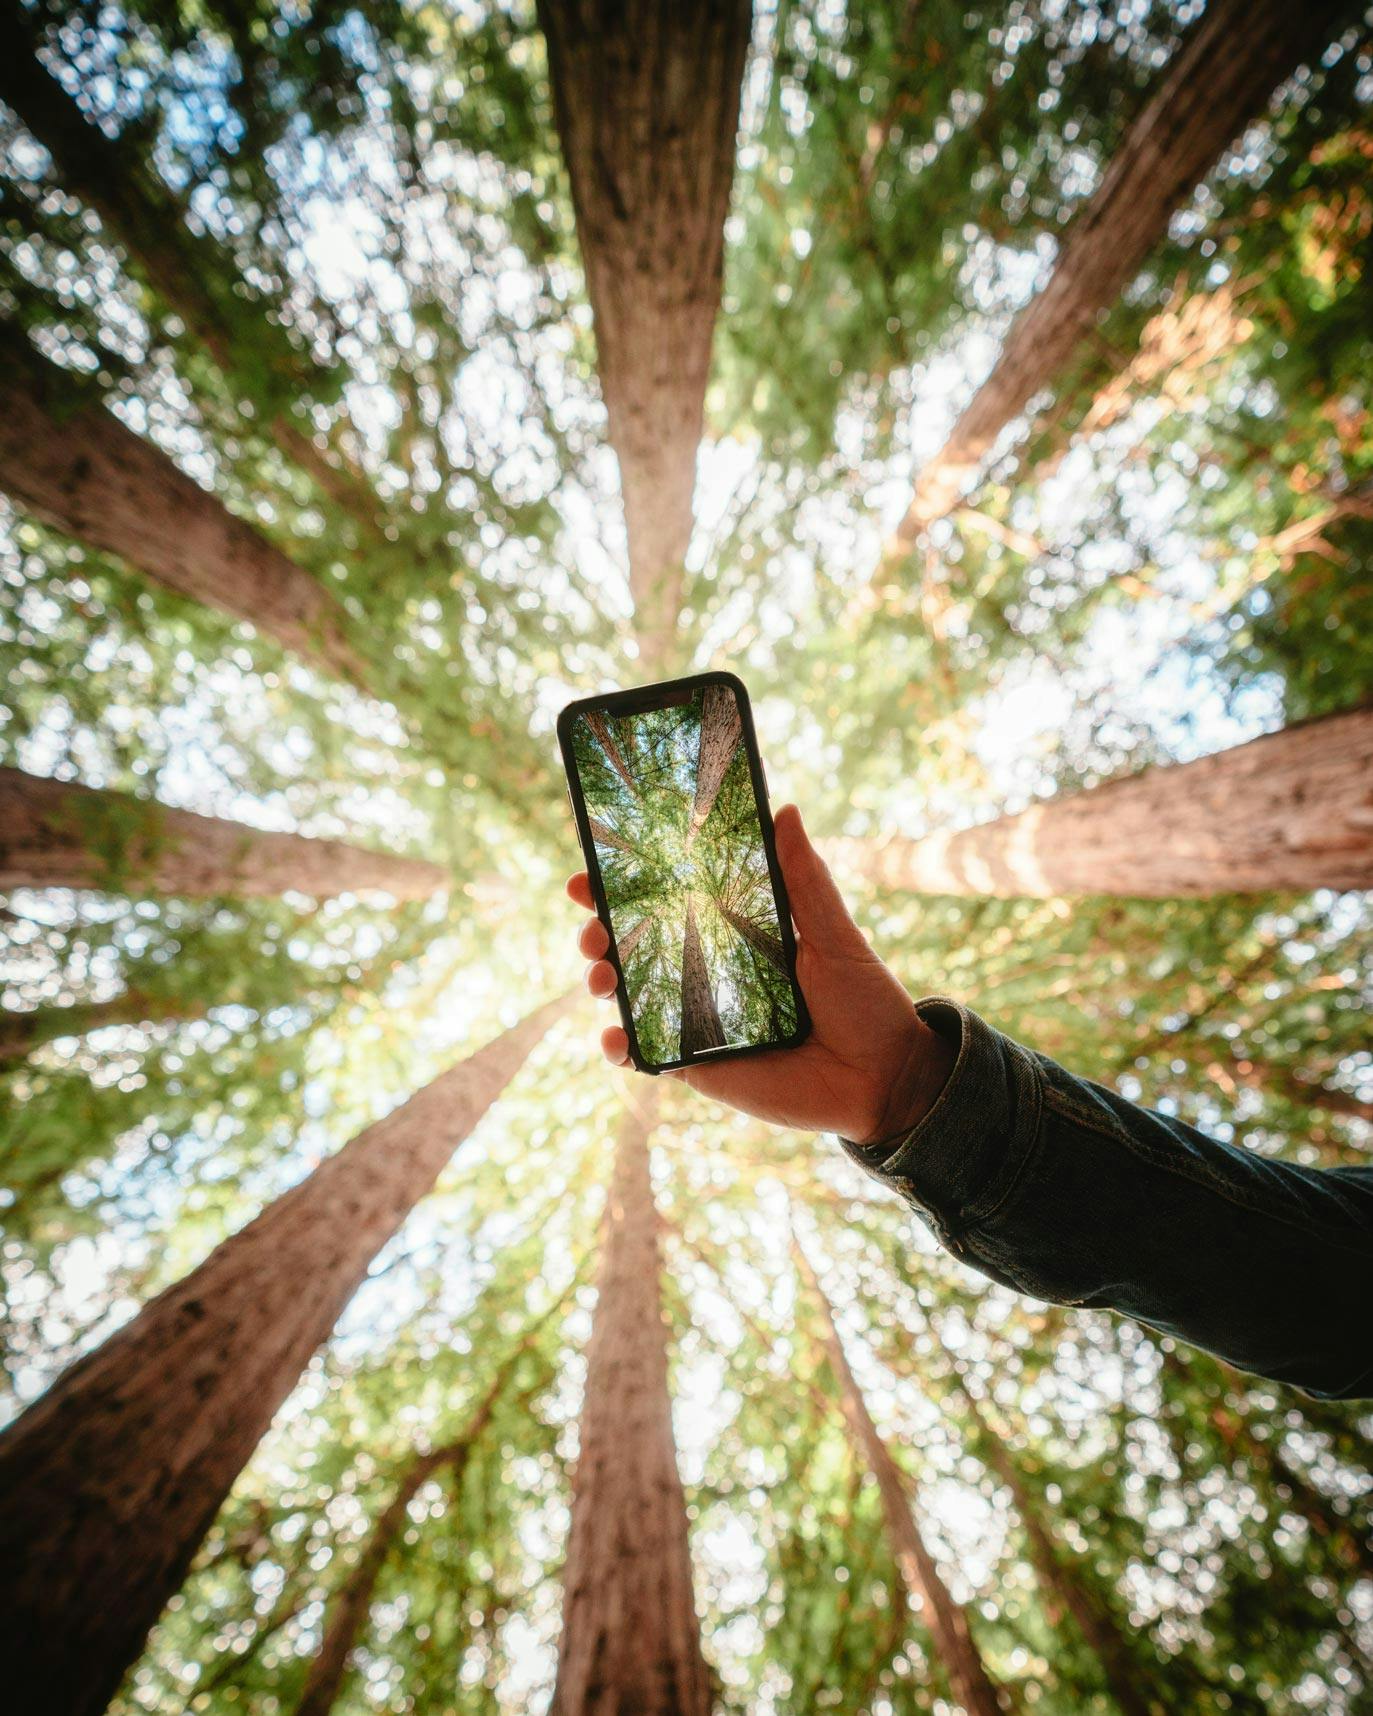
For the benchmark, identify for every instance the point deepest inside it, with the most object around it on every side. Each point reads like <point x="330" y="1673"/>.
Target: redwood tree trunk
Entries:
<point x="701" y="1028"/>
<point x="628" y="942"/>
<point x="600" y="729"/>
<point x="22" y="1033"/>
<point x="604" y="835"/>
<point x="721" y="726"/>
<point x="57" y="834"/>
<point x="110" y="1481"/>
<point x="194" y="274"/>
<point x="946" y="1619"/>
<point x="646" y="95"/>
<point x="631" y="1642"/>
<point x="1293" y="810"/>
<point x="1123" y="1675"/>
<point x="1219" y="80"/>
<point x="351" y="1604"/>
<point x="757" y="937"/>
<point x="68" y="461"/>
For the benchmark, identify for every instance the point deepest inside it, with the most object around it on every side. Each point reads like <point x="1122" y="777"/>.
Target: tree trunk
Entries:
<point x="646" y="96"/>
<point x="946" y="1619"/>
<point x="58" y="834"/>
<point x="1293" y="810"/>
<point x="600" y="729"/>
<point x="22" y="1033"/>
<point x="627" y="943"/>
<point x="721" y="727"/>
<point x="631" y="1643"/>
<point x="109" y="1482"/>
<point x="1123" y="1676"/>
<point x="1218" y="81"/>
<point x="604" y="835"/>
<point x="351" y="1604"/>
<point x="757" y="937"/>
<point x="195" y="275"/>
<point x="701" y="1028"/>
<point x="68" y="461"/>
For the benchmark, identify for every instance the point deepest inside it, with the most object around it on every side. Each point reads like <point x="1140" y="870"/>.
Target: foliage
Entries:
<point x="323" y="256"/>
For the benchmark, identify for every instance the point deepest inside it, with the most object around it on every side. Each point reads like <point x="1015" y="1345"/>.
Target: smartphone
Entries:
<point x="672" y="811"/>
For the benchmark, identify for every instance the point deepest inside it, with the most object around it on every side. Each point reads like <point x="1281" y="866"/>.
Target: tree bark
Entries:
<point x="626" y="944"/>
<point x="109" y="1482"/>
<point x="58" y="834"/>
<point x="68" y="461"/>
<point x="721" y="727"/>
<point x="1123" y="1675"/>
<point x="757" y="937"/>
<point x="352" y="1603"/>
<point x="1293" y="810"/>
<point x="1218" y="81"/>
<point x="946" y="1619"/>
<point x="22" y="1033"/>
<point x="600" y="729"/>
<point x="701" y="1028"/>
<point x="646" y="96"/>
<point x="195" y="275"/>
<point x="604" y="835"/>
<point x="631" y="1643"/>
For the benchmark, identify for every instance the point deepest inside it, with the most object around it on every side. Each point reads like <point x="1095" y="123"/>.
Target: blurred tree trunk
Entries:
<point x="1218" y="81"/>
<point x="351" y="1604"/>
<point x="68" y="461"/>
<point x="757" y="936"/>
<point x="1292" y="810"/>
<point x="701" y="1028"/>
<point x="947" y="1621"/>
<point x="1123" y="1675"/>
<point x="631" y="1643"/>
<point x="195" y="275"/>
<point x="646" y="96"/>
<point x="721" y="727"/>
<point x="58" y="834"/>
<point x="22" y="1033"/>
<point x="111" y="1479"/>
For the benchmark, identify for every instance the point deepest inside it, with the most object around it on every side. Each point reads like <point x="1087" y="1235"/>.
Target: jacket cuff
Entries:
<point x="963" y="1160"/>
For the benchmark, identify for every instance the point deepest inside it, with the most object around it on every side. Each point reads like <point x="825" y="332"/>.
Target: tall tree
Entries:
<point x="1218" y="81"/>
<point x="631" y="1643"/>
<point x="606" y="739"/>
<point x="1291" y="810"/>
<point x="646" y="97"/>
<point x="721" y="727"/>
<point x="60" y="834"/>
<point x="193" y="273"/>
<point x="946" y="1619"/>
<point x="758" y="936"/>
<point x="68" y="461"/>
<point x="701" y="1028"/>
<point x="22" y="1033"/>
<point x="109" y="1481"/>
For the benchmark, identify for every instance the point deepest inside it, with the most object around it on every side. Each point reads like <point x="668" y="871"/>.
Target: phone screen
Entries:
<point x="694" y="900"/>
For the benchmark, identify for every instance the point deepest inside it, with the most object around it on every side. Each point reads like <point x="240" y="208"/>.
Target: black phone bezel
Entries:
<point x="661" y="694"/>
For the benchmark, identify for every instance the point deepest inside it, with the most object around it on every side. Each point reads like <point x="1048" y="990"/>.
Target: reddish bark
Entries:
<point x="955" y="1647"/>
<point x="1293" y="810"/>
<point x="646" y="96"/>
<point x="701" y="1028"/>
<point x="1218" y="81"/>
<point x="721" y="728"/>
<point x="68" y="461"/>
<point x="757" y="936"/>
<point x="604" y="835"/>
<point x="631" y="1642"/>
<point x="57" y="834"/>
<point x="111" y="1480"/>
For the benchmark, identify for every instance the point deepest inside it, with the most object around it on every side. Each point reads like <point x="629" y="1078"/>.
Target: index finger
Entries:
<point x="579" y="891"/>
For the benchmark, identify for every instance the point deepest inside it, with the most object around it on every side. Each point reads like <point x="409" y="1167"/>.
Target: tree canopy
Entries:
<point x="305" y="279"/>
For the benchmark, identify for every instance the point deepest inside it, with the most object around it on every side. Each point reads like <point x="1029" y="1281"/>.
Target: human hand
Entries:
<point x="870" y="1067"/>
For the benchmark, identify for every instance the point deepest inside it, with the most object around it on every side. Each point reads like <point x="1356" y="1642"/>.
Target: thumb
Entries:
<point x="817" y="907"/>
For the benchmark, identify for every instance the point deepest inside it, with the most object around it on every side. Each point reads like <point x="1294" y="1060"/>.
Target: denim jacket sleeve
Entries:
<point x="1065" y="1190"/>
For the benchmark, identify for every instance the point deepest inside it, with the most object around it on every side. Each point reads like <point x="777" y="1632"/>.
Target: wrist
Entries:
<point x="918" y="1075"/>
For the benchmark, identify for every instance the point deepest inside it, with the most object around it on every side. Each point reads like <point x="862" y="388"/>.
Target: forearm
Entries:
<point x="1069" y="1192"/>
